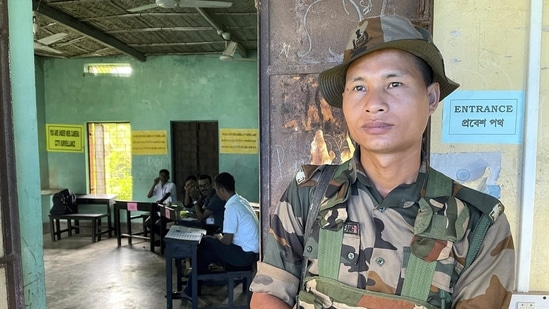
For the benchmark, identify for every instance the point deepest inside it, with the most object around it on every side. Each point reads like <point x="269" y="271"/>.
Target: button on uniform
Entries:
<point x="380" y="261"/>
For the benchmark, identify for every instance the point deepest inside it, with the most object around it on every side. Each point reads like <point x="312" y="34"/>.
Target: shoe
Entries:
<point x="185" y="296"/>
<point x="181" y="295"/>
<point x="214" y="268"/>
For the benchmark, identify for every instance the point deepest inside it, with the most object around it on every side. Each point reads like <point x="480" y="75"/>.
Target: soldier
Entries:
<point x="391" y="231"/>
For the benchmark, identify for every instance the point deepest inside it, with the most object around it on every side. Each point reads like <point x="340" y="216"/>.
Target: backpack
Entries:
<point x="64" y="202"/>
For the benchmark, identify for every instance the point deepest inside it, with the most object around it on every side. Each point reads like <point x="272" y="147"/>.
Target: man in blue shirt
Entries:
<point x="209" y="208"/>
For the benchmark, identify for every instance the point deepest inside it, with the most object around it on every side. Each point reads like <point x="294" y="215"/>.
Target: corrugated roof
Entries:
<point x="96" y="28"/>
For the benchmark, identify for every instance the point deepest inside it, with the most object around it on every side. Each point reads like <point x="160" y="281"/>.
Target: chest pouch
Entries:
<point x="439" y="223"/>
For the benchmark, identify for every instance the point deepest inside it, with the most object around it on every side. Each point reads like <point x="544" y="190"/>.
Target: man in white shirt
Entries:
<point x="160" y="188"/>
<point x="238" y="245"/>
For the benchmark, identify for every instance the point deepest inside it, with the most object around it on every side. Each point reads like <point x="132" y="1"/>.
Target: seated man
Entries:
<point x="209" y="208"/>
<point x="161" y="187"/>
<point x="238" y="246"/>
<point x="190" y="190"/>
<point x="164" y="192"/>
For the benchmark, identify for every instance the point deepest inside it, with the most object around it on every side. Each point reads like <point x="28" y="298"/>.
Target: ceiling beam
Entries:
<point x="173" y="29"/>
<point x="240" y="50"/>
<point x="86" y="29"/>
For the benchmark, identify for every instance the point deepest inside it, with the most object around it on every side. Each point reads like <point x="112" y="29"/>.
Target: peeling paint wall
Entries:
<point x="485" y="46"/>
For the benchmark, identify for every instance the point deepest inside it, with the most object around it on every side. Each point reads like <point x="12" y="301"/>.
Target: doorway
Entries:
<point x="195" y="150"/>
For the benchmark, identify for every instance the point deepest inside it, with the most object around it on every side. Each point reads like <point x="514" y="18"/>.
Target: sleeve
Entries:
<point x="230" y="221"/>
<point x="488" y="283"/>
<point x="279" y="272"/>
<point x="215" y="203"/>
<point x="155" y="191"/>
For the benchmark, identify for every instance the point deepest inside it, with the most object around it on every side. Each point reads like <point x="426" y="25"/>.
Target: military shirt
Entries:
<point x="380" y="234"/>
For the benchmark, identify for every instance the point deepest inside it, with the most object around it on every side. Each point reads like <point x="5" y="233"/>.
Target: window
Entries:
<point x="108" y="69"/>
<point x="110" y="159"/>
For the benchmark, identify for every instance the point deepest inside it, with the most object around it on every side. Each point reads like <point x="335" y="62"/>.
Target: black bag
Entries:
<point x="64" y="202"/>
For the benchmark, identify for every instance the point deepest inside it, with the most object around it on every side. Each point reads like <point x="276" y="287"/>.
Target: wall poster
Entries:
<point x="64" y="137"/>
<point x="149" y="142"/>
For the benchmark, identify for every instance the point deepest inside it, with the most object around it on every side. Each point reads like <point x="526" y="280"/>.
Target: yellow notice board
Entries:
<point x="149" y="142"/>
<point x="238" y="141"/>
<point x="64" y="138"/>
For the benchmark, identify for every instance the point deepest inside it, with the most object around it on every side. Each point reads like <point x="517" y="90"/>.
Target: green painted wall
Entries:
<point x="26" y="152"/>
<point x="160" y="90"/>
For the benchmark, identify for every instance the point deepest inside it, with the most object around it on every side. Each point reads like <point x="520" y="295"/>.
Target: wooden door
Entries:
<point x="195" y="150"/>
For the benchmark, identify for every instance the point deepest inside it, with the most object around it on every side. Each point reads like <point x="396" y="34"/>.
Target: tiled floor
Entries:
<point x="85" y="275"/>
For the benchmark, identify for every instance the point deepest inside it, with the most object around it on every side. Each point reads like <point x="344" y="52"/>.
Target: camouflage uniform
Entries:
<point x="379" y="235"/>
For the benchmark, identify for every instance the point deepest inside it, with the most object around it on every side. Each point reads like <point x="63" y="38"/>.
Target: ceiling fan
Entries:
<point x="168" y="4"/>
<point x="43" y="43"/>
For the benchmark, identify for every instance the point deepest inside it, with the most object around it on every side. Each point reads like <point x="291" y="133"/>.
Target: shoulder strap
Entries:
<point x="419" y="271"/>
<point x="326" y="175"/>
<point x="483" y="202"/>
<point x="438" y="184"/>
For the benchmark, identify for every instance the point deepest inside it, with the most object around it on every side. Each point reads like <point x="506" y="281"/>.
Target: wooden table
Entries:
<point x="179" y="249"/>
<point x="167" y="214"/>
<point x="128" y="207"/>
<point x="99" y="199"/>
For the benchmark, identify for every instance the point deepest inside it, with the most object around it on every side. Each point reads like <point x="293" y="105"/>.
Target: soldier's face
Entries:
<point x="386" y="103"/>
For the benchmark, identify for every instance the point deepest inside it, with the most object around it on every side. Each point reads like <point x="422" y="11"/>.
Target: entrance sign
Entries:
<point x="483" y="117"/>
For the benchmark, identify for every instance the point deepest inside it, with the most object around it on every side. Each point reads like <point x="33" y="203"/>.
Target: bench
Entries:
<point x="55" y="226"/>
<point x="231" y="278"/>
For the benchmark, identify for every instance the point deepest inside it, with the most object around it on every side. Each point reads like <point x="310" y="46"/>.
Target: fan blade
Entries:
<point x="52" y="38"/>
<point x="46" y="48"/>
<point x="204" y="4"/>
<point x="142" y="8"/>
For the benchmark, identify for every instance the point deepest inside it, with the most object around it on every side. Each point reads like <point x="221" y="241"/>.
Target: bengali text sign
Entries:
<point x="242" y="141"/>
<point x="483" y="117"/>
<point x="149" y="142"/>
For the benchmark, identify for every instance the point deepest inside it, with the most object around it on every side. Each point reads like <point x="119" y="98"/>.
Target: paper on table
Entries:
<point x="185" y="233"/>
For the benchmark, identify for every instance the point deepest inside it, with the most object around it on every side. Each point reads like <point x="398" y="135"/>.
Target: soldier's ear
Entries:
<point x="433" y="93"/>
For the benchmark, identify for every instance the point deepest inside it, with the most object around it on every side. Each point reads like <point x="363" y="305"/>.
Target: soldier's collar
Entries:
<point x="403" y="195"/>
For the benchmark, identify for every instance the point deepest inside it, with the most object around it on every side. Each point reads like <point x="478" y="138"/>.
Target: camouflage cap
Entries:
<point x="382" y="33"/>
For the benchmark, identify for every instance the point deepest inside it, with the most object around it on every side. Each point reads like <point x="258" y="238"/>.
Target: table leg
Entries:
<point x="58" y="227"/>
<point x="109" y="221"/>
<point x="194" y="281"/>
<point x="117" y="226"/>
<point x="52" y="229"/>
<point x="129" y="225"/>
<point x="169" y="300"/>
<point x="152" y="223"/>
